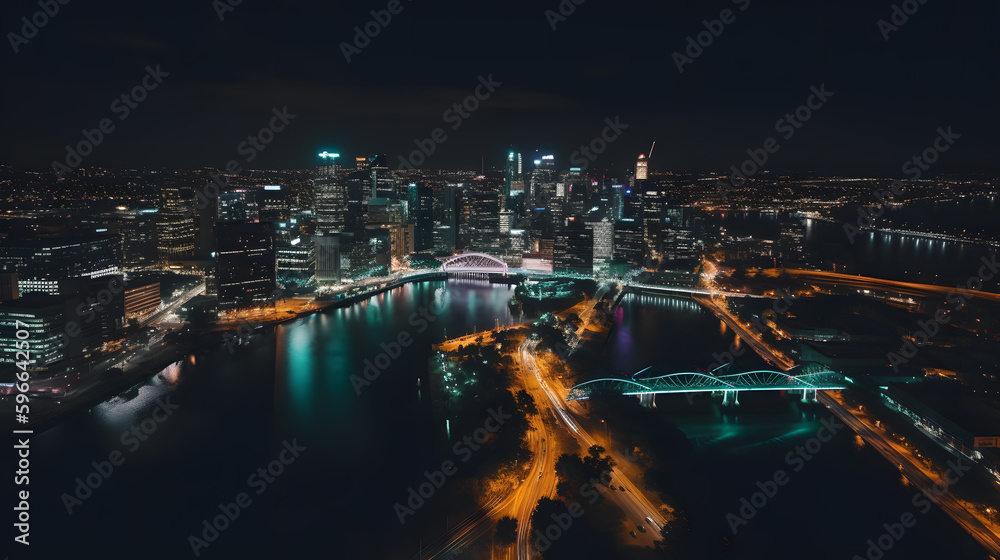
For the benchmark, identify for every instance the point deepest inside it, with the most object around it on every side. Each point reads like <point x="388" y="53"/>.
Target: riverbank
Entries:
<point x="47" y="412"/>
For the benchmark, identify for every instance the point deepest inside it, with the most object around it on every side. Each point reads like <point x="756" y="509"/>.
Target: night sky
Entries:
<point x="608" y="58"/>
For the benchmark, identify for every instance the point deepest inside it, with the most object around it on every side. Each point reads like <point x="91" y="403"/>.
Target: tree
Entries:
<point x="506" y="531"/>
<point x="573" y="321"/>
<point x="526" y="403"/>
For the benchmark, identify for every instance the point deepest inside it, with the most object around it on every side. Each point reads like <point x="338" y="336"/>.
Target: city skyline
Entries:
<point x="551" y="280"/>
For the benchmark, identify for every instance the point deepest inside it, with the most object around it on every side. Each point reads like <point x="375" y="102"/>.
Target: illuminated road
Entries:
<point x="632" y="501"/>
<point x="908" y="288"/>
<point x="773" y="356"/>
<point x="161" y="315"/>
<point x="541" y="481"/>
<point x="914" y="474"/>
<point x="520" y="503"/>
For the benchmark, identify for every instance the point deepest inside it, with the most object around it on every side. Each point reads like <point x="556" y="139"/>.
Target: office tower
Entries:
<point x="42" y="264"/>
<point x="616" y="201"/>
<point x="642" y="168"/>
<point x="578" y="202"/>
<point x="443" y="240"/>
<point x="421" y="215"/>
<point x="679" y="241"/>
<point x="326" y="248"/>
<point x="97" y="302"/>
<point x="274" y="205"/>
<point x="137" y="228"/>
<point x="604" y="233"/>
<point x="246" y="266"/>
<point x="629" y="246"/>
<point x="330" y="202"/>
<point x="296" y="260"/>
<point x="175" y="234"/>
<point x="512" y="174"/>
<point x="400" y="239"/>
<point x="45" y="317"/>
<point x="235" y="206"/>
<point x="479" y="212"/>
<point x="540" y="184"/>
<point x="573" y="249"/>
<point x="653" y="205"/>
<point x="370" y="253"/>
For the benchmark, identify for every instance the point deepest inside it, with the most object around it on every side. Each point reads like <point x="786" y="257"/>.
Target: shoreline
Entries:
<point x="161" y="359"/>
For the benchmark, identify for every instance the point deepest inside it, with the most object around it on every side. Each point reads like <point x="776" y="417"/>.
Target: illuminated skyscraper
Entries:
<point x="642" y="168"/>
<point x="512" y="173"/>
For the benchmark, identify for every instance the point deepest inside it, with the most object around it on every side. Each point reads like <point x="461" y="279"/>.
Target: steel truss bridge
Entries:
<point x="809" y="379"/>
<point x="480" y="263"/>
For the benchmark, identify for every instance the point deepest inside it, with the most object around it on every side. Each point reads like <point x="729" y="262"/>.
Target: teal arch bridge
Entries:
<point x="646" y="384"/>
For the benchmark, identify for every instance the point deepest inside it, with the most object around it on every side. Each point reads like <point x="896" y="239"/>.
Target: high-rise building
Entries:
<point x="421" y="215"/>
<point x="273" y="204"/>
<point x="629" y="246"/>
<point x="512" y="173"/>
<point x="175" y="231"/>
<point x="679" y="240"/>
<point x="642" y="168"/>
<point x="326" y="248"/>
<point x="604" y="235"/>
<point x="45" y="318"/>
<point x="235" y="206"/>
<point x="479" y="216"/>
<point x="541" y="183"/>
<point x="137" y="228"/>
<point x="296" y="260"/>
<point x="653" y="204"/>
<point x="573" y="249"/>
<point x="43" y="264"/>
<point x="246" y="266"/>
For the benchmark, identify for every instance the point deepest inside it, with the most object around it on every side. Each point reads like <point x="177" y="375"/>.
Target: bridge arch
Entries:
<point x="475" y="262"/>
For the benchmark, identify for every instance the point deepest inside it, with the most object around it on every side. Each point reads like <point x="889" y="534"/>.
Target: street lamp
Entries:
<point x="606" y="438"/>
